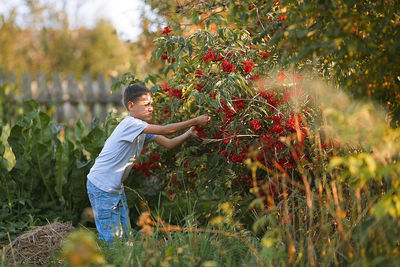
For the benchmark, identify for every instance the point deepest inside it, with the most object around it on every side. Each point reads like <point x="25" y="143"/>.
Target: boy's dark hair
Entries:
<point x="133" y="92"/>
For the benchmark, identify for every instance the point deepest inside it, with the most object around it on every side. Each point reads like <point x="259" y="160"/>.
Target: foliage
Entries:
<point x="289" y="169"/>
<point x="339" y="39"/>
<point x="226" y="74"/>
<point x="169" y="249"/>
<point x="47" y="181"/>
<point x="354" y="43"/>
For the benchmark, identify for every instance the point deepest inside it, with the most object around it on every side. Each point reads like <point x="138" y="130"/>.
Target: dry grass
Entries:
<point x="36" y="246"/>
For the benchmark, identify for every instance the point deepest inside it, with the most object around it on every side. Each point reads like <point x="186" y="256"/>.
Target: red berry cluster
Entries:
<point x="210" y="56"/>
<point x="255" y="125"/>
<point x="199" y="73"/>
<point x="171" y="91"/>
<point x="227" y="66"/>
<point x="265" y="54"/>
<point x="270" y="97"/>
<point x="146" y="166"/>
<point x="255" y="77"/>
<point x="166" y="112"/>
<point x="201" y="131"/>
<point x="166" y="30"/>
<point x="199" y="87"/>
<point x="164" y="56"/>
<point x="248" y="66"/>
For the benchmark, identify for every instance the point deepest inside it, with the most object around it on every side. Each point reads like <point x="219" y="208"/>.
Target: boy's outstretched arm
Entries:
<point x="177" y="126"/>
<point x="173" y="142"/>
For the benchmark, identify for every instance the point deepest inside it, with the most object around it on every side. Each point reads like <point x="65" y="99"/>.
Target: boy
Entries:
<point x="121" y="149"/>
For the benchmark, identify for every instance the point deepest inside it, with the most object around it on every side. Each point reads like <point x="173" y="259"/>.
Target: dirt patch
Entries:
<point x="38" y="245"/>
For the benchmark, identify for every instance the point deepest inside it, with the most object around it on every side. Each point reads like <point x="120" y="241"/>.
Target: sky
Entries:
<point x="124" y="14"/>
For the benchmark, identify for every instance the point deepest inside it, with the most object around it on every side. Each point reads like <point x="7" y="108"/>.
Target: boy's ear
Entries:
<point x="130" y="105"/>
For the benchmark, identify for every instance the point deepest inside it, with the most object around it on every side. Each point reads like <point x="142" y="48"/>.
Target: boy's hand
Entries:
<point x="192" y="131"/>
<point x="203" y="120"/>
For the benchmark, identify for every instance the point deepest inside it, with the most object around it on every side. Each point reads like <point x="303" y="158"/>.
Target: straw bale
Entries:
<point x="39" y="244"/>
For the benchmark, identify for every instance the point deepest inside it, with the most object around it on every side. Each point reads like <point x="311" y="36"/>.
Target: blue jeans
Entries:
<point x="110" y="212"/>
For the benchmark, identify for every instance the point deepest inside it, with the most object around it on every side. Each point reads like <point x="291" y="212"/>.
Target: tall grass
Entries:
<point x="182" y="249"/>
<point x="345" y="210"/>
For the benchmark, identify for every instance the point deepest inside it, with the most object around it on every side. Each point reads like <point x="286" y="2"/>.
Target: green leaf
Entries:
<point x="208" y="23"/>
<point x="17" y="141"/>
<point x="62" y="167"/>
<point x="217" y="19"/>
<point x="32" y="105"/>
<point x="81" y="164"/>
<point x="154" y="89"/>
<point x="182" y="41"/>
<point x="190" y="49"/>
<point x="45" y="130"/>
<point x="153" y="78"/>
<point x="335" y="162"/>
<point x="94" y="142"/>
<point x="115" y="86"/>
<point x="79" y="129"/>
<point x="260" y="222"/>
<point x="42" y="159"/>
<point x="170" y="250"/>
<point x="195" y="18"/>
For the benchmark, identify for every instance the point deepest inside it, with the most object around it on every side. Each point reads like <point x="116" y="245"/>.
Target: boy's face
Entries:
<point x="143" y="108"/>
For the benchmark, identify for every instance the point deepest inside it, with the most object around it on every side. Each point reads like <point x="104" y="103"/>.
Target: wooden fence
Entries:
<point x="88" y="98"/>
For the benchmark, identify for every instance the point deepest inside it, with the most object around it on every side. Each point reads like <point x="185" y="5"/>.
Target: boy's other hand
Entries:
<point x="192" y="132"/>
<point x="203" y="120"/>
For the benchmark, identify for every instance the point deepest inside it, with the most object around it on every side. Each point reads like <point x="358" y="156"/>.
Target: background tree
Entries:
<point x="10" y="40"/>
<point x="47" y="43"/>
<point x="353" y="43"/>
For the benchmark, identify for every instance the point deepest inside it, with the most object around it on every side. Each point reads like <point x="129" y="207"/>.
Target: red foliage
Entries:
<point x="255" y="125"/>
<point x="224" y="153"/>
<point x="171" y="92"/>
<point x="248" y="66"/>
<point x="265" y="54"/>
<point x="166" y="112"/>
<point x="255" y="77"/>
<point x="164" y="55"/>
<point x="199" y="87"/>
<point x="281" y="76"/>
<point x="270" y="97"/>
<point x="199" y="73"/>
<point x="166" y="30"/>
<point x="208" y="56"/>
<point x="201" y="131"/>
<point x="227" y="66"/>
<point x="146" y="166"/>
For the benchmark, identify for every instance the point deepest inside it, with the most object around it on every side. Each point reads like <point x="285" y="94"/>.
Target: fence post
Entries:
<point x="12" y="79"/>
<point x="90" y="96"/>
<point x="71" y="107"/>
<point x="43" y="94"/>
<point x="26" y="81"/>
<point x="103" y="97"/>
<point x="58" y="97"/>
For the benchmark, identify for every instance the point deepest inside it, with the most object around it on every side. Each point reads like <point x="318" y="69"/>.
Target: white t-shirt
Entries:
<point x="119" y="153"/>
